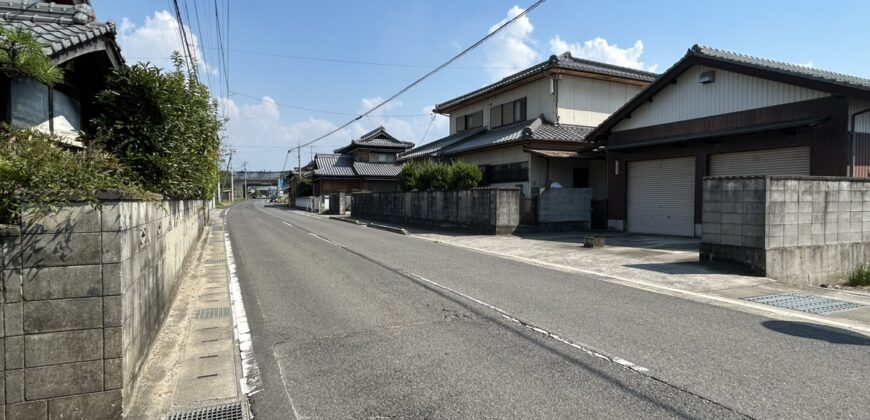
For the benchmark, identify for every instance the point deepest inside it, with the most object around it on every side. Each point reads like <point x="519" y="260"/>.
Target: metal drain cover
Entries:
<point x="804" y="303"/>
<point x="217" y="228"/>
<point x="206" y="313"/>
<point x="215" y="261"/>
<point x="231" y="411"/>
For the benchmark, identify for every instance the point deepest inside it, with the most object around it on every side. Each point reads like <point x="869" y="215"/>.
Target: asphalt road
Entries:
<point x="351" y="322"/>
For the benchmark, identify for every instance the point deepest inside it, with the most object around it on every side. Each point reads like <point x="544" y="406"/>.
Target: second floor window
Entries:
<point x="508" y="113"/>
<point x="469" y="121"/>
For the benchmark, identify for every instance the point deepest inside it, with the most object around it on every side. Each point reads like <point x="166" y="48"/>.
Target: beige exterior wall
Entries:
<point x="862" y="122"/>
<point x="539" y="101"/>
<point x="731" y="92"/>
<point x="588" y="102"/>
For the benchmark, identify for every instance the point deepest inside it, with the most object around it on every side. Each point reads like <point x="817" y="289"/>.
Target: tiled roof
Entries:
<point x="344" y="166"/>
<point x="378" y="137"/>
<point x="564" y="62"/>
<point x="376" y="169"/>
<point x="537" y="129"/>
<point x="782" y="67"/>
<point x="433" y="148"/>
<point x="58" y="28"/>
<point x="333" y="165"/>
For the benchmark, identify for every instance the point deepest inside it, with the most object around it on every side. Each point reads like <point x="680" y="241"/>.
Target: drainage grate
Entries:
<point x="231" y="411"/>
<point x="217" y="228"/>
<point x="215" y="261"/>
<point x="213" y="313"/>
<point x="804" y="303"/>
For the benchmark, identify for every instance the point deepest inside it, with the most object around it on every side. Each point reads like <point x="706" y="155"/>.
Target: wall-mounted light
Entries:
<point x="707" y="77"/>
<point x="616" y="167"/>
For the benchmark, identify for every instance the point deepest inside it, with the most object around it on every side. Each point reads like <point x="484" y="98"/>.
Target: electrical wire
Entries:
<point x="302" y="108"/>
<point x="427" y="75"/>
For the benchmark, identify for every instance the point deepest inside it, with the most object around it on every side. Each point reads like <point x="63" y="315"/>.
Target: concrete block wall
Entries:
<point x="84" y="292"/>
<point x="804" y="230"/>
<point x="560" y="205"/>
<point x="486" y="210"/>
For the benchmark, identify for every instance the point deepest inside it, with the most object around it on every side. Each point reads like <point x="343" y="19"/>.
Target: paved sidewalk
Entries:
<point x="194" y="363"/>
<point x="665" y="265"/>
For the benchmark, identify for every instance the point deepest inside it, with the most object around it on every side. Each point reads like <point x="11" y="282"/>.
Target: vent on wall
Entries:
<point x="707" y="77"/>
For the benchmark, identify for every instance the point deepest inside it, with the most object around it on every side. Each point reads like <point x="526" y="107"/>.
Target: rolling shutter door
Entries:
<point x="661" y="196"/>
<point x="786" y="161"/>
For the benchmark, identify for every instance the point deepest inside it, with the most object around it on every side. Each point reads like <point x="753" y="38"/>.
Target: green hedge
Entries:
<point x="37" y="175"/>
<point x="164" y="127"/>
<point x="433" y="176"/>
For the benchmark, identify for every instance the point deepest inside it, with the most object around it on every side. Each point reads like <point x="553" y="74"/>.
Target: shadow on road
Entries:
<point x="817" y="332"/>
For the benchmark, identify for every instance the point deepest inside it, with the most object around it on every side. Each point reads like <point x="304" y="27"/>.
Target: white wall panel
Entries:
<point x="731" y="92"/>
<point x="589" y="101"/>
<point x="539" y="101"/>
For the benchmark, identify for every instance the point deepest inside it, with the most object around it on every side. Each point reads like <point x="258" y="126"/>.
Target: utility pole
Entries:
<point x="245" y="168"/>
<point x="232" y="177"/>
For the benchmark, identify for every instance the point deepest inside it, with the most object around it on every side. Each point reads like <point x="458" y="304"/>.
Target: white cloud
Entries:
<point x="512" y="49"/>
<point x="156" y="39"/>
<point x="599" y="49"/>
<point x="808" y="64"/>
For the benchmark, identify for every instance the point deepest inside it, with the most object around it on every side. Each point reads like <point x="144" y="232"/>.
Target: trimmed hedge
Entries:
<point x="433" y="176"/>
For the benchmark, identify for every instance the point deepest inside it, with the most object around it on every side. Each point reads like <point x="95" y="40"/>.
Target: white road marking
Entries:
<point x="505" y="314"/>
<point x="251" y="381"/>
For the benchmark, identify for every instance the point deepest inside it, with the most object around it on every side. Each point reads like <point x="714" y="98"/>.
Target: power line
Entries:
<point x="427" y="75"/>
<point x="302" y="108"/>
<point x="201" y="38"/>
<point x="185" y="44"/>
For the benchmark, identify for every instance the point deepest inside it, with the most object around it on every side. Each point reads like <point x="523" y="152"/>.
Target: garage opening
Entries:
<point x="661" y="196"/>
<point x="784" y="161"/>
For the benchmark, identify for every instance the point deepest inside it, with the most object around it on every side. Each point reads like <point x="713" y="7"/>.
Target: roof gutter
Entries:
<point x="852" y="134"/>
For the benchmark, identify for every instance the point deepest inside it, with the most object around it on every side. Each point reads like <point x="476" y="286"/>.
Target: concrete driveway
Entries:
<point x="663" y="260"/>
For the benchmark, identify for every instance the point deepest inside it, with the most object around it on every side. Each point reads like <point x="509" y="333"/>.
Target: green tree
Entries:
<point x="21" y="57"/>
<point x="164" y="126"/>
<point x="409" y="177"/>
<point x="463" y="176"/>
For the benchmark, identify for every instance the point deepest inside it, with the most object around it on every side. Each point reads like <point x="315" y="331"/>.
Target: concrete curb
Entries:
<point x="346" y="220"/>
<point x="400" y="231"/>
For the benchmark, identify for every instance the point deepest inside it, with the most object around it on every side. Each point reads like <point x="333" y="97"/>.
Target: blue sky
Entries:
<point x="410" y="35"/>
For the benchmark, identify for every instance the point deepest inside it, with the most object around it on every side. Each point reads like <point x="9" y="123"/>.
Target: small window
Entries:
<point x="508" y="172"/>
<point x="495" y="116"/>
<point x="469" y="121"/>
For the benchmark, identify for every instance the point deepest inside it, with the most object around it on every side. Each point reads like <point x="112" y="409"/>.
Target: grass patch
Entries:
<point x="860" y="276"/>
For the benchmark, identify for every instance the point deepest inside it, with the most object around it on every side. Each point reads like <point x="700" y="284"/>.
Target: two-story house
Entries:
<point x="75" y="41"/>
<point x="366" y="164"/>
<point x="529" y="129"/>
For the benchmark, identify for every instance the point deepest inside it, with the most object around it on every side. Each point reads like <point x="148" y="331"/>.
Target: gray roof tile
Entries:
<point x="564" y="61"/>
<point x="376" y="169"/>
<point x="333" y="165"/>
<point x="532" y="130"/>
<point x="782" y="67"/>
<point x="58" y="28"/>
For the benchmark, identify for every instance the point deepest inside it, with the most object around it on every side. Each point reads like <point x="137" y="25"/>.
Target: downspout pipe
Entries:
<point x="852" y="135"/>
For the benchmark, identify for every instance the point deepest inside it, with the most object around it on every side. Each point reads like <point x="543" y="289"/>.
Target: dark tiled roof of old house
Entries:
<point x="64" y="31"/>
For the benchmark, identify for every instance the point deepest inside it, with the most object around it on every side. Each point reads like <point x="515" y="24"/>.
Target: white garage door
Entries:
<point x="786" y="161"/>
<point x="661" y="196"/>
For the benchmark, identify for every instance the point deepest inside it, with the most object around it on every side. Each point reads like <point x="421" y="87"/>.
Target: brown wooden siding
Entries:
<point x="828" y="144"/>
<point x="335" y="185"/>
<point x="862" y="155"/>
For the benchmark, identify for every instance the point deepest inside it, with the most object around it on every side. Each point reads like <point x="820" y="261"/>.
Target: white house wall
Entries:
<point x="590" y="101"/>
<point x="731" y="92"/>
<point x="862" y="122"/>
<point x="539" y="101"/>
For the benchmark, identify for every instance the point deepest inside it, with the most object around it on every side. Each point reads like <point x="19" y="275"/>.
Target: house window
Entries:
<point x="508" y="172"/>
<point x="469" y="121"/>
<point x="37" y="106"/>
<point x="508" y="113"/>
<point x="385" y="157"/>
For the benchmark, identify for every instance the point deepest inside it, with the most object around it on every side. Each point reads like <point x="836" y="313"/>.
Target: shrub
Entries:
<point x="860" y="276"/>
<point x="463" y="176"/>
<point x="433" y="176"/>
<point x="409" y="178"/>
<point x="21" y="57"/>
<point x="37" y="175"/>
<point x="304" y="187"/>
<point x="163" y="126"/>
